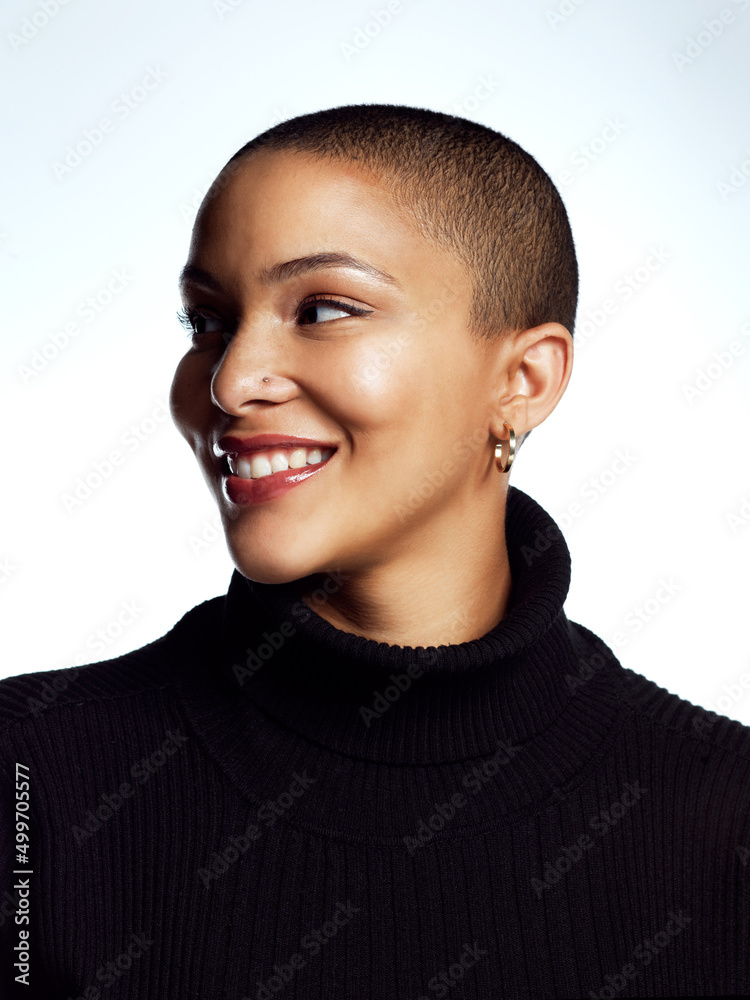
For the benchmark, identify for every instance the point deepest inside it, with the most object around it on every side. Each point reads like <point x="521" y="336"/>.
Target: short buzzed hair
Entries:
<point x="471" y="190"/>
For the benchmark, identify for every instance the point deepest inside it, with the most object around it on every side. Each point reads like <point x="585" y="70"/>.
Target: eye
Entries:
<point x="200" y="325"/>
<point x="320" y="309"/>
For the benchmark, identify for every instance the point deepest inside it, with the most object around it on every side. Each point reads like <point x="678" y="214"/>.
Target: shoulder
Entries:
<point x="700" y="763"/>
<point x="678" y="719"/>
<point x="654" y="707"/>
<point x="33" y="699"/>
<point x="695" y="759"/>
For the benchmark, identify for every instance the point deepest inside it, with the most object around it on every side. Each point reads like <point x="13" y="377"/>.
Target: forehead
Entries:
<point x="276" y="206"/>
<point x="279" y="180"/>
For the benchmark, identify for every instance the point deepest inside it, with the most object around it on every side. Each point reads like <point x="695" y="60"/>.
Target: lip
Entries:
<point x="231" y="445"/>
<point x="250" y="492"/>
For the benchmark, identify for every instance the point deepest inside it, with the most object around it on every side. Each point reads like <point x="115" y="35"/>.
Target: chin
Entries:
<point x="266" y="564"/>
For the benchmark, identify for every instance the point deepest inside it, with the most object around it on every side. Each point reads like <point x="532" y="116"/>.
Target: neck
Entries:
<point x="453" y="587"/>
<point x="534" y="704"/>
<point x="392" y="703"/>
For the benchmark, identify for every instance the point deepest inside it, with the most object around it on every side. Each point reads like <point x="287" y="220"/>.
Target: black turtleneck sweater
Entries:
<point x="260" y="805"/>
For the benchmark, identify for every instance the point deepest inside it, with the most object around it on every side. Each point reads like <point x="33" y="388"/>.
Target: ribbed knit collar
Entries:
<point x="401" y="704"/>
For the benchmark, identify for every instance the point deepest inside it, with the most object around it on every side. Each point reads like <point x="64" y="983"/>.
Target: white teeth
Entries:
<point x="260" y="466"/>
<point x="257" y="465"/>
<point x="279" y="461"/>
<point x="243" y="468"/>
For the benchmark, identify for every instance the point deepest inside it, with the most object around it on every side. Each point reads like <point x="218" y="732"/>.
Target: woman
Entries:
<point x="384" y="764"/>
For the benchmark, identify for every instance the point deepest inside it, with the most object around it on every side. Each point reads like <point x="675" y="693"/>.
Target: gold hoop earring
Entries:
<point x="511" y="451"/>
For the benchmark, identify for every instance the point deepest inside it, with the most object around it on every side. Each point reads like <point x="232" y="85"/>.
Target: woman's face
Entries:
<point x="366" y="351"/>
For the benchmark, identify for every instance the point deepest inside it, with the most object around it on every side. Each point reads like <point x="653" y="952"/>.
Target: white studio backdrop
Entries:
<point x="117" y="117"/>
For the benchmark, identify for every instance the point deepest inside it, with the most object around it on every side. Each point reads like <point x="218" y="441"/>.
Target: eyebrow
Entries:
<point x="319" y="261"/>
<point x="191" y="274"/>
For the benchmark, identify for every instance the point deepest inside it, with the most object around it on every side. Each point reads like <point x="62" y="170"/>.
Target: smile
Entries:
<point x="261" y="464"/>
<point x="258" y="477"/>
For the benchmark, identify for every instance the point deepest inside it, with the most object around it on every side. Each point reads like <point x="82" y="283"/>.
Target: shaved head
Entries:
<point x="469" y="189"/>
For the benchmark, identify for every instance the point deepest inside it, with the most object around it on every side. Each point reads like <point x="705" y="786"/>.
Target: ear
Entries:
<point x="533" y="371"/>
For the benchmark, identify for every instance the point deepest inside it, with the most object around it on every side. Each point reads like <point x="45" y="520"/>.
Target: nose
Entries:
<point x="251" y="369"/>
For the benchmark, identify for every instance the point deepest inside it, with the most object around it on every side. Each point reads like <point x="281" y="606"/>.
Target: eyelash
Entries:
<point x="186" y="317"/>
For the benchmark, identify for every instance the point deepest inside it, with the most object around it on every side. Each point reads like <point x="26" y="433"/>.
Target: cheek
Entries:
<point x="376" y="386"/>
<point x="391" y="402"/>
<point x="385" y="367"/>
<point x="188" y="398"/>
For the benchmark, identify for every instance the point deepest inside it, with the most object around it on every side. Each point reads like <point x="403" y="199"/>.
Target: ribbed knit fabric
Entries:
<point x="260" y="805"/>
